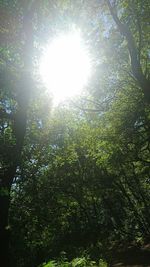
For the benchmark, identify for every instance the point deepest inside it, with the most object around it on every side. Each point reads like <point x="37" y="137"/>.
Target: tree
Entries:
<point x="136" y="9"/>
<point x="106" y="155"/>
<point x="82" y="181"/>
<point x="16" y="91"/>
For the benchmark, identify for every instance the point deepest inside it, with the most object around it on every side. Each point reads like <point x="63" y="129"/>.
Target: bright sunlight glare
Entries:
<point x="65" y="66"/>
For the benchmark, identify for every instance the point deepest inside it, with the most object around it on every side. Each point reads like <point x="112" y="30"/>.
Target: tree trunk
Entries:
<point x="19" y="121"/>
<point x="6" y="180"/>
<point x="4" y="229"/>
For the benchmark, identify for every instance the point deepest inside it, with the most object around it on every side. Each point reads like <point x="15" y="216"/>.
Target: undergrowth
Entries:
<point x="77" y="262"/>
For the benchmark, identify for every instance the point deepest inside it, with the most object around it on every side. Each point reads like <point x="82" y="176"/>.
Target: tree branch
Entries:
<point x="135" y="63"/>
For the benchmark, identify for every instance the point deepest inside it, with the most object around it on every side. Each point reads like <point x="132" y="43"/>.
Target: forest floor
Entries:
<point x="132" y="257"/>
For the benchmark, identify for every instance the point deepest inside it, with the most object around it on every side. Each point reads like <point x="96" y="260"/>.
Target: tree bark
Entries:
<point x="4" y="230"/>
<point x="4" y="225"/>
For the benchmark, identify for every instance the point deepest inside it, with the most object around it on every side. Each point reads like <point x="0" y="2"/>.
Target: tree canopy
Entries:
<point x="74" y="179"/>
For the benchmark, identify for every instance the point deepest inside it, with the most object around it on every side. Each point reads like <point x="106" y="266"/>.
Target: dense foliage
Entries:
<point x="74" y="179"/>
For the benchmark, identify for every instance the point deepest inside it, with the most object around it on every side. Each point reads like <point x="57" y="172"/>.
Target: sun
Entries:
<point x="65" y="66"/>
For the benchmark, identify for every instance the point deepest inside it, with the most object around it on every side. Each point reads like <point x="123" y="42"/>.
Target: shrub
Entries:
<point x="77" y="262"/>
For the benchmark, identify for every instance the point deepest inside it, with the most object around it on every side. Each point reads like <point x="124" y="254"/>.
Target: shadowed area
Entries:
<point x="132" y="256"/>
